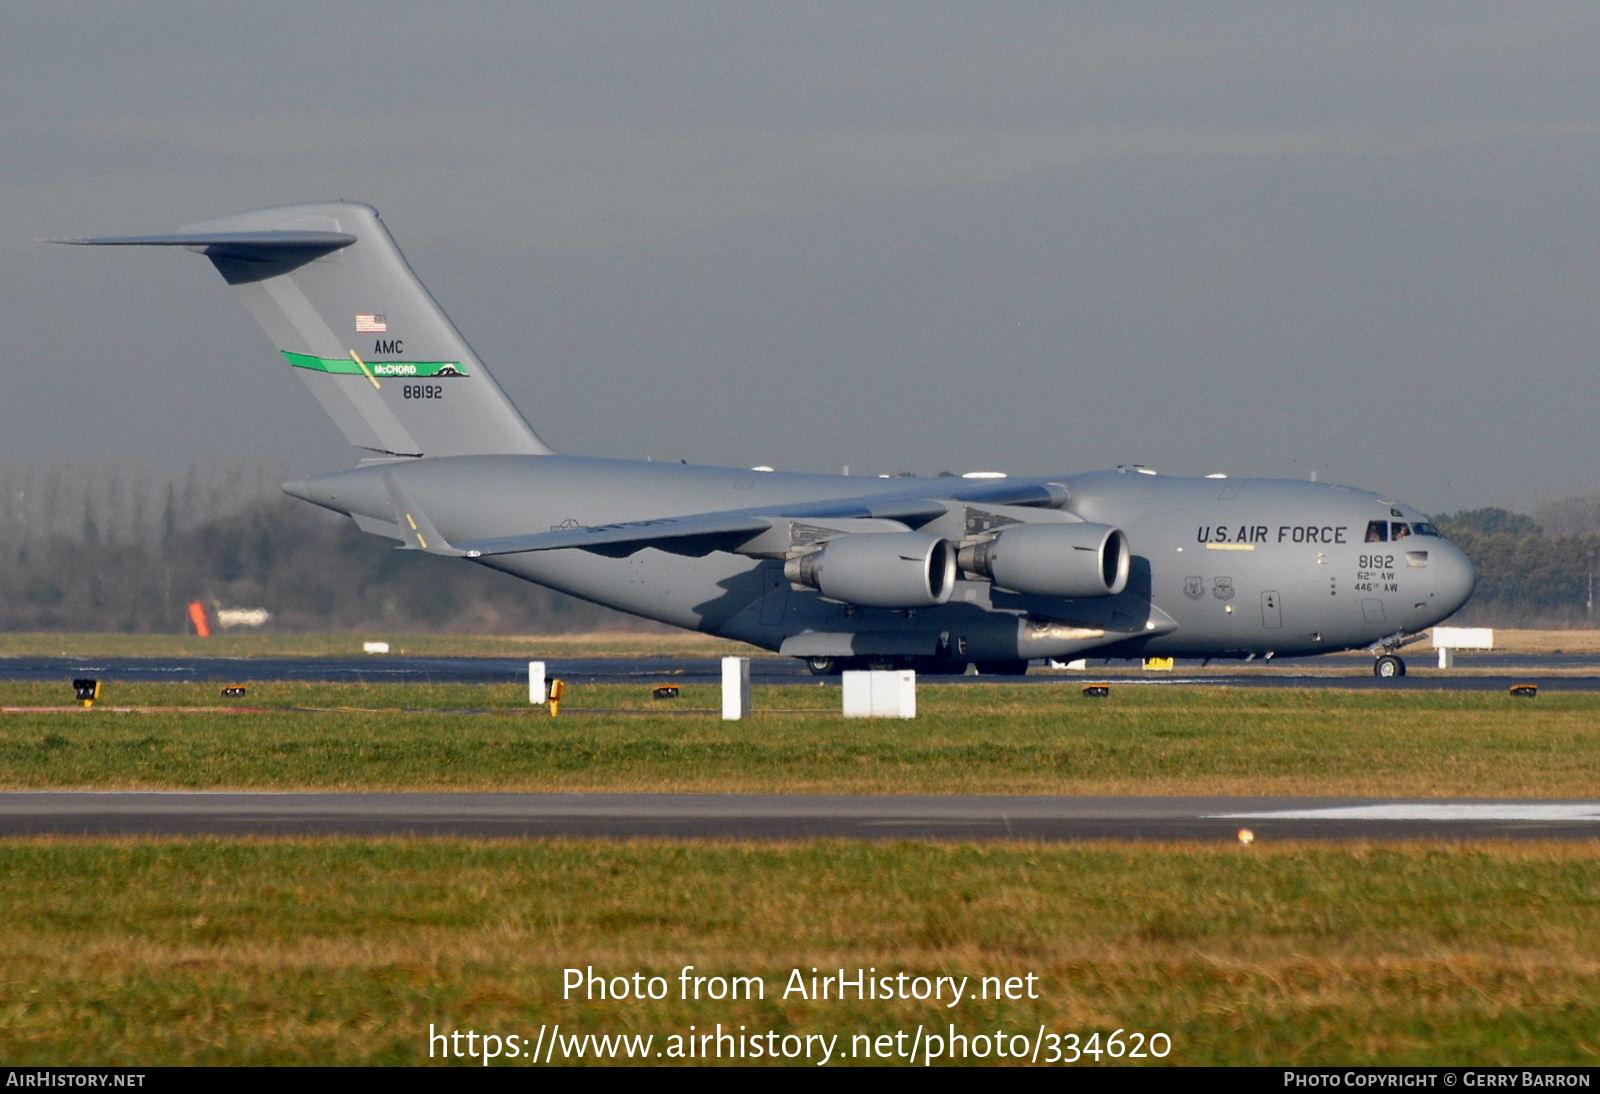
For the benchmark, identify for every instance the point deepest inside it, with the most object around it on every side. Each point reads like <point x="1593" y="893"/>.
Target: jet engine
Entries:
<point x="879" y="569"/>
<point x="1067" y="560"/>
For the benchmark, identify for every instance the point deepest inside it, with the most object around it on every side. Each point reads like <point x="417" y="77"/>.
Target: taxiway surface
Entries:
<point x="779" y="816"/>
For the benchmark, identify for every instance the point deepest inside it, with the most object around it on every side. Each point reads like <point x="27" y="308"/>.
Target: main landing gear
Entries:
<point x="931" y="666"/>
<point x="833" y="666"/>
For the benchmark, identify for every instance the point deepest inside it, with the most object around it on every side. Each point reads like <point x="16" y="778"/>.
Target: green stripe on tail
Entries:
<point x="345" y="366"/>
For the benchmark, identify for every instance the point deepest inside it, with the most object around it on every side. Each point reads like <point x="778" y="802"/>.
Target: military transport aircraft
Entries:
<point x="845" y="572"/>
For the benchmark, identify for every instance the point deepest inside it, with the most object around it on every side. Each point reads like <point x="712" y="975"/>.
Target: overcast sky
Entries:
<point x="1357" y="241"/>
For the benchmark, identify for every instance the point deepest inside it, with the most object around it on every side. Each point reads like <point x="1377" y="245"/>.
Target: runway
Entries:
<point x="1553" y="672"/>
<point x="779" y="817"/>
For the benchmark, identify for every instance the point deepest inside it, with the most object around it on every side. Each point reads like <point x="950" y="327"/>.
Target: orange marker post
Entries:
<point x="197" y="616"/>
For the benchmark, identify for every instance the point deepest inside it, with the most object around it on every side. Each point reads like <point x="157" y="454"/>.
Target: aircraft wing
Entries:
<point x="701" y="533"/>
<point x="698" y="534"/>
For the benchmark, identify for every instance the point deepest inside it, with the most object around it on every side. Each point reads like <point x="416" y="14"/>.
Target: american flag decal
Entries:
<point x="371" y="324"/>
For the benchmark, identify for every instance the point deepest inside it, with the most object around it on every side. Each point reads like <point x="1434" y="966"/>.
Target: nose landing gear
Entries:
<point x="1388" y="666"/>
<point x="1387" y="663"/>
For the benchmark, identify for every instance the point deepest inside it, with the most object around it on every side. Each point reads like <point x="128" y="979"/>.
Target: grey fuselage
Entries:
<point x="1220" y="567"/>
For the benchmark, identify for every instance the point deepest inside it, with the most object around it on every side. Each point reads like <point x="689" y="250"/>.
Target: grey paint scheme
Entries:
<point x="1219" y="567"/>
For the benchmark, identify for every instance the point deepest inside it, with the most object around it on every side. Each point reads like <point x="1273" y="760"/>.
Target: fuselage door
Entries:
<point x="1271" y="610"/>
<point x="775" y="601"/>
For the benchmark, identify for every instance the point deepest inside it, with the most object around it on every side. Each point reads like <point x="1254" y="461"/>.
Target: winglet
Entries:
<point x="416" y="530"/>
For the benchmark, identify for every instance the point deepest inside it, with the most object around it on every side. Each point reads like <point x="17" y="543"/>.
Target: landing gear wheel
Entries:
<point x="1389" y="666"/>
<point x="882" y="663"/>
<point x="1002" y="668"/>
<point x="823" y="666"/>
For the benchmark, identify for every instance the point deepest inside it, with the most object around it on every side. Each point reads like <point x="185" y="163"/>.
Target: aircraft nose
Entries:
<point x="1453" y="578"/>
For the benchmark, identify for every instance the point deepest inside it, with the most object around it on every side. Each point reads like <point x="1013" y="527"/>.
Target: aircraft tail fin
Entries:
<point x="333" y="292"/>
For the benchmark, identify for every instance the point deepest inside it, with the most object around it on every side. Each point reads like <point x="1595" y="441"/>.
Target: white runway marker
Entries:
<point x="1436" y="811"/>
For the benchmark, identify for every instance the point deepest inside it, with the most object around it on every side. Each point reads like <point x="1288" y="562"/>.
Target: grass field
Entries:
<point x="343" y="951"/>
<point x="998" y="739"/>
<point x="157" y="951"/>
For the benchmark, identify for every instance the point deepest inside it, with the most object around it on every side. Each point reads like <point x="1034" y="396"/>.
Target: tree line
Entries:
<point x="1538" y="570"/>
<point x="110" y="550"/>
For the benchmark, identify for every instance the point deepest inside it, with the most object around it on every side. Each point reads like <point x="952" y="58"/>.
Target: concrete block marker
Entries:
<point x="891" y="694"/>
<point x="735" y="688"/>
<point x="1449" y="639"/>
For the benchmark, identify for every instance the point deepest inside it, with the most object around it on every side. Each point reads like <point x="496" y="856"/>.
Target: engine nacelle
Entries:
<point x="1067" y="560"/>
<point x="879" y="569"/>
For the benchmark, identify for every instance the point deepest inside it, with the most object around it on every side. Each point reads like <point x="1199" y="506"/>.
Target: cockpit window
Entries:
<point x="1383" y="531"/>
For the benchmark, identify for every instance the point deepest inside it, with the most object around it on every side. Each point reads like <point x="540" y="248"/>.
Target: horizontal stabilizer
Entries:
<point x="240" y="245"/>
